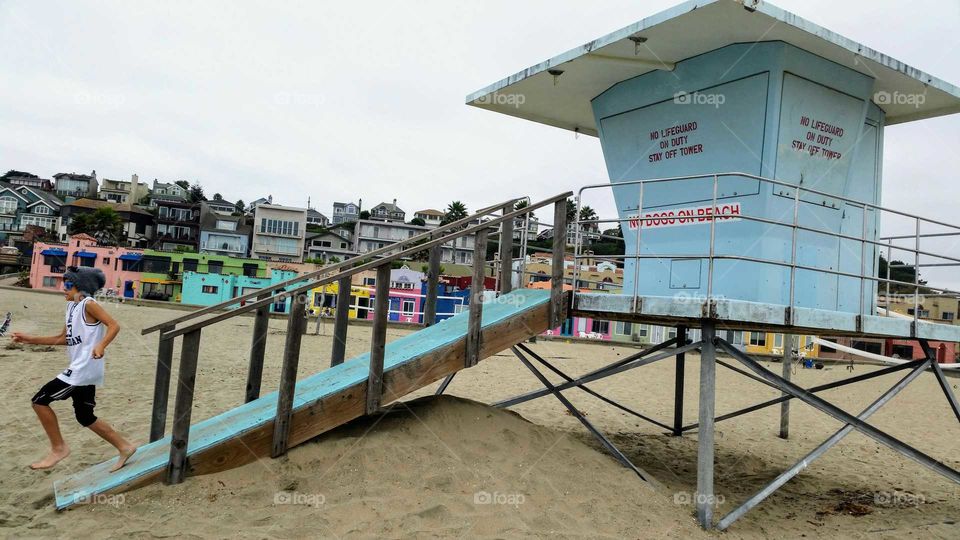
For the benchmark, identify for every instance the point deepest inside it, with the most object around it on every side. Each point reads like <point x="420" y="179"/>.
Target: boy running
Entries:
<point x="87" y="332"/>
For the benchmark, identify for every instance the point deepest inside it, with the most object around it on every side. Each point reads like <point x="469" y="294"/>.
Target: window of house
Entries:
<point x="903" y="351"/>
<point x="131" y="266"/>
<point x="51" y="281"/>
<point x="41" y="210"/>
<point x="947" y="316"/>
<point x="210" y="289"/>
<point x="778" y="340"/>
<point x="250" y="270"/>
<point x="599" y="327"/>
<point x="8" y="205"/>
<point x="89" y="262"/>
<point x="735" y="337"/>
<point x="106" y="261"/>
<point x="369" y="281"/>
<point x="408" y="307"/>
<point x="215" y="267"/>
<point x="226" y="225"/>
<point x="644" y="330"/>
<point x="156" y="265"/>
<point x="758" y="339"/>
<point x="623" y="328"/>
<point x="190" y="265"/>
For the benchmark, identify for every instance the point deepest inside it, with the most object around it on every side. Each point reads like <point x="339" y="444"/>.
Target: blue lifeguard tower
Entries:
<point x="744" y="150"/>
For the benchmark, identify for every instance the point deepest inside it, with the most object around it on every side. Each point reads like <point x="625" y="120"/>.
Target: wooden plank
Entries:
<point x="161" y="388"/>
<point x="472" y="355"/>
<point x="506" y="253"/>
<point x="180" y="437"/>
<point x="258" y="345"/>
<point x="433" y="282"/>
<point x="341" y="322"/>
<point x="296" y="323"/>
<point x="705" y="432"/>
<point x="557" y="259"/>
<point x="378" y="341"/>
<point x="786" y="369"/>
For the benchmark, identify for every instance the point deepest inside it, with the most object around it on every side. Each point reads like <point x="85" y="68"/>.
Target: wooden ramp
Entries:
<point x="322" y="401"/>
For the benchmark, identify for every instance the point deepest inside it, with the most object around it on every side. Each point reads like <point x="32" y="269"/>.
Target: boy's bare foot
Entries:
<point x="54" y="457"/>
<point x="124" y="456"/>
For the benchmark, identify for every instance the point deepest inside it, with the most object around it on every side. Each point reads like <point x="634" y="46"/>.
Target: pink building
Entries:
<point x="406" y="300"/>
<point x="120" y="265"/>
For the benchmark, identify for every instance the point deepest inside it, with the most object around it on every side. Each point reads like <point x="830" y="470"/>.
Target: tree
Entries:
<point x="217" y="197"/>
<point x="899" y="271"/>
<point x="13" y="174"/>
<point x="364" y="214"/>
<point x="195" y="193"/>
<point x="456" y="211"/>
<point x="183" y="183"/>
<point x="104" y="224"/>
<point x="571" y="210"/>
<point x="587" y="213"/>
<point x="240" y="207"/>
<point x="418" y="221"/>
<point x="521" y="204"/>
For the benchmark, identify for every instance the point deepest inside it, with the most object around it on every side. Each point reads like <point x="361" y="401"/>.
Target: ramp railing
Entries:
<point x="296" y="290"/>
<point x="863" y="238"/>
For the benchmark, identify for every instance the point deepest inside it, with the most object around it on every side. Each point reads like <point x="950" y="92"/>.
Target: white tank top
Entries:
<point x="82" y="337"/>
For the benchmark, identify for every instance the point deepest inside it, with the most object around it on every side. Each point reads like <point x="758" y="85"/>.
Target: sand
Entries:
<point x="455" y="467"/>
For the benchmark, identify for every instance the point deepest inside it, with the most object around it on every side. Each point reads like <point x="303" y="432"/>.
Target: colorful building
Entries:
<point x="324" y="299"/>
<point x="120" y="265"/>
<point x="207" y="289"/>
<point x="163" y="271"/>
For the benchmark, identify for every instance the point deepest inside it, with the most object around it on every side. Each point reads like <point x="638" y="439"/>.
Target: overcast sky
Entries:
<point x="342" y="100"/>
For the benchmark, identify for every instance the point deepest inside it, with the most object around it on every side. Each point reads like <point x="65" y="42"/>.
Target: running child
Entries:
<point x="88" y="331"/>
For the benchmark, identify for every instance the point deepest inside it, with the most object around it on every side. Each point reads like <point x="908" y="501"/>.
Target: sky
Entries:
<point x="338" y="101"/>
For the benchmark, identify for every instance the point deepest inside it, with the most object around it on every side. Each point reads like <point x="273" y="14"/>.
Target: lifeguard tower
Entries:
<point x="744" y="149"/>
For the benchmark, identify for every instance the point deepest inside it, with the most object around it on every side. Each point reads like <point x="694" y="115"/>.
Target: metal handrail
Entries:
<point x="326" y="268"/>
<point x="172" y="333"/>
<point x="795" y="226"/>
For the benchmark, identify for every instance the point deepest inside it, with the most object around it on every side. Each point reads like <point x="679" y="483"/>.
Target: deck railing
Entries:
<point x="189" y="326"/>
<point x="800" y="195"/>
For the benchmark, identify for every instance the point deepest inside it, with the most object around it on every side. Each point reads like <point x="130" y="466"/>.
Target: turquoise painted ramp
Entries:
<point x="152" y="457"/>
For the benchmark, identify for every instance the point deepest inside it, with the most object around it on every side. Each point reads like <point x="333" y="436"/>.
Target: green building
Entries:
<point x="163" y="271"/>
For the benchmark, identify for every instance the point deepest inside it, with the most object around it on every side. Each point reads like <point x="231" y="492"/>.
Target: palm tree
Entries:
<point x="104" y="224"/>
<point x="456" y="211"/>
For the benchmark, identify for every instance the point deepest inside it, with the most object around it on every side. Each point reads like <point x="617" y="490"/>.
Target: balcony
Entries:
<point x="279" y="250"/>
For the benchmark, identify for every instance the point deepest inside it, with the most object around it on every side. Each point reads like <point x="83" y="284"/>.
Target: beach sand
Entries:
<point x="454" y="467"/>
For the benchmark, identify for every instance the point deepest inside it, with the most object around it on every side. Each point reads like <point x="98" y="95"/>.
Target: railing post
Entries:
<point x="433" y="282"/>
<point x="342" y="320"/>
<point x="789" y="344"/>
<point x="379" y="340"/>
<point x="296" y="323"/>
<point x="261" y="324"/>
<point x="475" y="322"/>
<point x="161" y="386"/>
<point x="180" y="436"/>
<point x="556" y="266"/>
<point x="916" y="278"/>
<point x="506" y="252"/>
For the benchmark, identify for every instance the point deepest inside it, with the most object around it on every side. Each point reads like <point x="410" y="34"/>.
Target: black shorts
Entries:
<point x="83" y="399"/>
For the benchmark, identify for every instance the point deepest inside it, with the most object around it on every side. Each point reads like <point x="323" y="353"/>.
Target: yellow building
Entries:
<point x="770" y="343"/>
<point x="324" y="299"/>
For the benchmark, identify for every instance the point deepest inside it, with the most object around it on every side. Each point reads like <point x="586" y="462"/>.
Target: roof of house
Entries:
<point x="313" y="212"/>
<point x="390" y="207"/>
<point x="208" y="221"/>
<point x="49" y="198"/>
<point x="73" y="176"/>
<point x="430" y="212"/>
<point x="93" y="204"/>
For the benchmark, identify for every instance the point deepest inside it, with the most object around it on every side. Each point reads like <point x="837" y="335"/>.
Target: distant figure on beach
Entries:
<point x="88" y="331"/>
